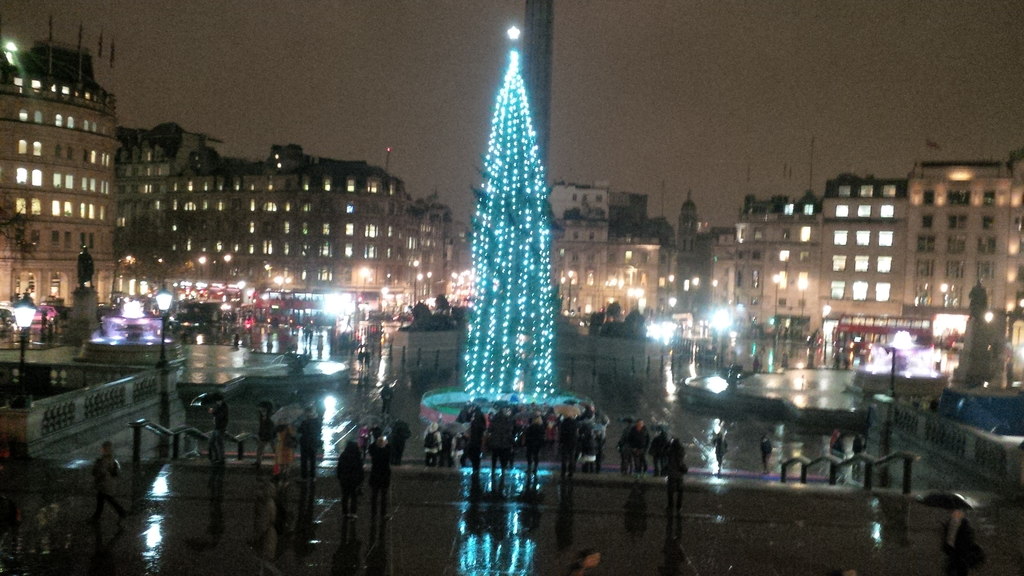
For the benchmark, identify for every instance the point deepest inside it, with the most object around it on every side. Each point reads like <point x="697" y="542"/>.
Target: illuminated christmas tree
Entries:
<point x="511" y="331"/>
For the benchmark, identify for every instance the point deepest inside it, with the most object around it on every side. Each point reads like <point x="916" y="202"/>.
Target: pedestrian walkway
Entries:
<point x="190" y="517"/>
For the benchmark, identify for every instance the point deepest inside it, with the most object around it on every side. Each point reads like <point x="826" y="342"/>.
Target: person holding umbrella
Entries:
<point x="265" y="430"/>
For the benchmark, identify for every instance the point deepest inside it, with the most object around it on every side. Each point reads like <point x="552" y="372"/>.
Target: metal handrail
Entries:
<point x="869" y="462"/>
<point x="176" y="433"/>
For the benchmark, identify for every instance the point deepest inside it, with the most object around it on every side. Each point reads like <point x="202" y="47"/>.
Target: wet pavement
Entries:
<point x="190" y="517"/>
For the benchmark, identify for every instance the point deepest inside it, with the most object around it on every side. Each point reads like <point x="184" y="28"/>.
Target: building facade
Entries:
<point x="56" y="172"/>
<point x="292" y="222"/>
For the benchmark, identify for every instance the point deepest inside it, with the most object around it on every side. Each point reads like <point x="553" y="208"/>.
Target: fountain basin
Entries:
<point x="444" y="404"/>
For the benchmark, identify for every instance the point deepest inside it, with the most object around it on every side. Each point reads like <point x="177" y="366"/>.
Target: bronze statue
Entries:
<point x="85" y="268"/>
<point x="979" y="301"/>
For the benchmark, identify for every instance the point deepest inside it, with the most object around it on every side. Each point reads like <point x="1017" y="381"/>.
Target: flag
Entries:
<point x="101" y="44"/>
<point x="932" y="144"/>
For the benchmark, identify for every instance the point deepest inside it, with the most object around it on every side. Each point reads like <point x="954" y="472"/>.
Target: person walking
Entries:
<point x="721" y="446"/>
<point x="475" y="443"/>
<point x="639" y="440"/>
<point x="105" y="470"/>
<point x="350" y="477"/>
<point x="766" y="453"/>
<point x="264" y="430"/>
<point x="659" y="451"/>
<point x="219" y="410"/>
<point x="431" y="445"/>
<point x="534" y="440"/>
<point x="310" y="441"/>
<point x="380" y="476"/>
<point x="958" y="543"/>
<point x="568" y="440"/>
<point x="500" y="439"/>
<point x="675" y="469"/>
<point x="400" y="434"/>
<point x="284" y="450"/>
<point x="386" y="395"/>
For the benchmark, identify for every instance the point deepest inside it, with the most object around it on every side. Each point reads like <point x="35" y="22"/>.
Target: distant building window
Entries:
<point x="958" y="197"/>
<point x="956" y="244"/>
<point x="350" y="208"/>
<point x="929" y="197"/>
<point x="925" y="268"/>
<point x="327" y="184"/>
<point x="861" y="263"/>
<point x="989" y="198"/>
<point x="885" y="237"/>
<point x="926" y="243"/>
<point x="987" y="222"/>
<point x="863" y="238"/>
<point x="838" y="263"/>
<point x="22" y="146"/>
<point x="839" y="237"/>
<point x="957" y="221"/>
<point x="882" y="290"/>
<point x="886" y="211"/>
<point x="350" y="185"/>
<point x="926" y="221"/>
<point x="867" y="191"/>
<point x="860" y="290"/>
<point x="37" y="177"/>
<point x="842" y="210"/>
<point x="837" y="290"/>
<point x="889" y="191"/>
<point x="805" y="234"/>
<point x="884" y="264"/>
<point x="987" y="245"/>
<point x="844" y="191"/>
<point x="350" y="229"/>
<point x="864" y="211"/>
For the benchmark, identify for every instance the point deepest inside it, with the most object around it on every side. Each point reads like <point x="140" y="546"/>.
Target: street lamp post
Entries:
<point x="777" y="280"/>
<point x="24" y="313"/>
<point x="900" y="341"/>
<point x="163" y="302"/>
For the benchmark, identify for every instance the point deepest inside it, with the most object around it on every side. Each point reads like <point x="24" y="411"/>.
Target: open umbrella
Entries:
<point x="206" y="399"/>
<point x="288" y="414"/>
<point x="568" y="410"/>
<point x="947" y="500"/>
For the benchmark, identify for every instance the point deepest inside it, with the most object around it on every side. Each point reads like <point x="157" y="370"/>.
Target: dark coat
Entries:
<point x="350" y="469"/>
<point x="380" y="465"/>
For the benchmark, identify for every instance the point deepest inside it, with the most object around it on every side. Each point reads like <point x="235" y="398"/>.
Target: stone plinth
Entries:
<point x="82" y="320"/>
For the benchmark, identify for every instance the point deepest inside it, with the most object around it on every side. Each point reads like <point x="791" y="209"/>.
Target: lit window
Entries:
<point x="350" y="185"/>
<point x="884" y="264"/>
<point x="844" y="191"/>
<point x="370" y="251"/>
<point x="349" y="250"/>
<point x="860" y="290"/>
<point x="805" y="234"/>
<point x="68" y="212"/>
<point x="887" y="211"/>
<point x="58" y="180"/>
<point x="326" y="229"/>
<point x="863" y="238"/>
<point x="861" y="263"/>
<point x="21" y="206"/>
<point x="55" y="208"/>
<point x="23" y="115"/>
<point x="783" y="255"/>
<point x="882" y="291"/>
<point x="866" y="191"/>
<point x="889" y="191"/>
<point x="22" y="146"/>
<point x="885" y="238"/>
<point x="37" y="177"/>
<point x="350" y="208"/>
<point x="864" y="211"/>
<point x="372" y="186"/>
<point x="71" y="121"/>
<point x="21" y="176"/>
<point x="838" y="263"/>
<point x="838" y="290"/>
<point x="350" y="229"/>
<point x="327" y="184"/>
<point x="839" y="237"/>
<point x="842" y="211"/>
<point x="371" y="231"/>
<point x="270" y="207"/>
<point x="59" y="121"/>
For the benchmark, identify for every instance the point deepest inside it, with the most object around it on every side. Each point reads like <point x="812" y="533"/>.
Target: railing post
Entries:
<point x="176" y="446"/>
<point x="137" y="439"/>
<point x="803" y="473"/>
<point x="869" y="475"/>
<point x="832" y="473"/>
<point x="782" y="474"/>
<point x="241" y="447"/>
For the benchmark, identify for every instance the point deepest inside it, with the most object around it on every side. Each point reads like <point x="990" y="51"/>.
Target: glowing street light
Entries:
<point x="163" y="301"/>
<point x="24" y="313"/>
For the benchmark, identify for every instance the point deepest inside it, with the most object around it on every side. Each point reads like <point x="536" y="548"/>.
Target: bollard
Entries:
<point x="908" y="465"/>
<point x="137" y="439"/>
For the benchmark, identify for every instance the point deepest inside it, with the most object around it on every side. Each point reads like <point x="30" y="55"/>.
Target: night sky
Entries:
<point x="655" y="97"/>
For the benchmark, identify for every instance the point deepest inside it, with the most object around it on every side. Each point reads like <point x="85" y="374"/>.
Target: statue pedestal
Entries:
<point x="82" y="320"/>
<point x="982" y="360"/>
